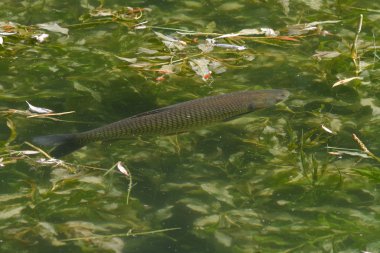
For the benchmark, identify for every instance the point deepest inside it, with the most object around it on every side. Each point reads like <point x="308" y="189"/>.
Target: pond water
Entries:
<point x="303" y="176"/>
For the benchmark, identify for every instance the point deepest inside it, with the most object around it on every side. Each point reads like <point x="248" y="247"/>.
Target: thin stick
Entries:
<point x="49" y="114"/>
<point x="39" y="150"/>
<point x="57" y="162"/>
<point x="110" y="169"/>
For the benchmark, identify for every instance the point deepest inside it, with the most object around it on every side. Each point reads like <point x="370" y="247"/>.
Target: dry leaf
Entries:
<point x="122" y="169"/>
<point x="38" y="110"/>
<point x="170" y="42"/>
<point x="344" y="81"/>
<point x="327" y="129"/>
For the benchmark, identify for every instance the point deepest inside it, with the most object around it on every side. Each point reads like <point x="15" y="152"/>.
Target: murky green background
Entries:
<point x="263" y="183"/>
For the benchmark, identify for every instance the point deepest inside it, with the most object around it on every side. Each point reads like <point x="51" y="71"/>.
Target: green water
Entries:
<point x="265" y="182"/>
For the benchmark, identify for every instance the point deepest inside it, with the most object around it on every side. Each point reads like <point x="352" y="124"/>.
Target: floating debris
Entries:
<point x="171" y="42"/>
<point x="122" y="169"/>
<point x="38" y="110"/>
<point x="248" y="32"/>
<point x="327" y="129"/>
<point x="344" y="81"/>
<point x="41" y="37"/>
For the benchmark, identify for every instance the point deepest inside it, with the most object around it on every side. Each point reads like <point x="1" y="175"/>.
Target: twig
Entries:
<point x="39" y="150"/>
<point x="364" y="148"/>
<point x="29" y="114"/>
<point x="110" y="169"/>
<point x="49" y="114"/>
<point x="56" y="162"/>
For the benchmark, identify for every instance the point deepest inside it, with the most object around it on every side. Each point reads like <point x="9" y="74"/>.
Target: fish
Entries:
<point x="173" y="119"/>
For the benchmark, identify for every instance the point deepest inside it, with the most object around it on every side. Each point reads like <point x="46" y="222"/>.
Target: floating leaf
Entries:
<point x="208" y="46"/>
<point x="122" y="169"/>
<point x="39" y="110"/>
<point x="204" y="68"/>
<point x="327" y="129"/>
<point x="200" y="67"/>
<point x="170" y="42"/>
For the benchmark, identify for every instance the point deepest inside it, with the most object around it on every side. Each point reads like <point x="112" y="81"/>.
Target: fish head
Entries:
<point x="281" y="95"/>
<point x="268" y="98"/>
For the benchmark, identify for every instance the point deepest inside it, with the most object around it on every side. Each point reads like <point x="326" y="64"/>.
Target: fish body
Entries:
<point x="172" y="119"/>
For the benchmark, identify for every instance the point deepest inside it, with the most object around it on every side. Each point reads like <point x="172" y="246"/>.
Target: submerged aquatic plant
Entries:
<point x="290" y="180"/>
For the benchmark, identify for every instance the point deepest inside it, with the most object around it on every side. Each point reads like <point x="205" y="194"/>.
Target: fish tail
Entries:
<point x="64" y="143"/>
